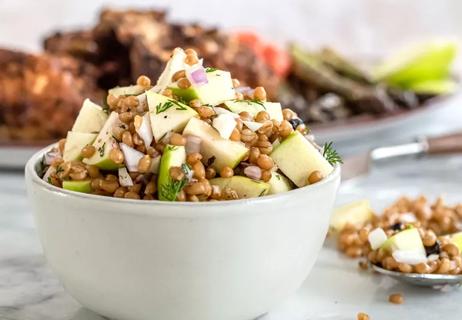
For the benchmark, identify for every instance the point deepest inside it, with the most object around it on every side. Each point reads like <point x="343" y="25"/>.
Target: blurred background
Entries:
<point x="353" y="26"/>
<point x="270" y="42"/>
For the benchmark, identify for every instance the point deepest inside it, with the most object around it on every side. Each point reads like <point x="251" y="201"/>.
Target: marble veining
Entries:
<point x="335" y="289"/>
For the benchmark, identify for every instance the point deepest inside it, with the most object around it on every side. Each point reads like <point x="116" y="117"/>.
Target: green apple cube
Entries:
<point x="213" y="146"/>
<point x="355" y="213"/>
<point x="253" y="107"/>
<point x="418" y="63"/>
<point x="175" y="63"/>
<point x="278" y="183"/>
<point x="127" y="91"/>
<point x="78" y="185"/>
<point x="104" y="143"/>
<point x="173" y="156"/>
<point x="167" y="115"/>
<point x="297" y="158"/>
<point x="218" y="89"/>
<point x="91" y="118"/>
<point x="434" y="87"/>
<point x="456" y="238"/>
<point x="75" y="141"/>
<point x="408" y="240"/>
<point x="245" y="187"/>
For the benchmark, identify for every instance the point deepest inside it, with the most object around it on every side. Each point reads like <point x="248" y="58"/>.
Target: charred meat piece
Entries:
<point x="131" y="42"/>
<point x="40" y="95"/>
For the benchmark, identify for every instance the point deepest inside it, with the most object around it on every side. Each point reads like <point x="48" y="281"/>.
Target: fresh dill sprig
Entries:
<point x="170" y="190"/>
<point x="162" y="107"/>
<point x="249" y="102"/>
<point x="330" y="154"/>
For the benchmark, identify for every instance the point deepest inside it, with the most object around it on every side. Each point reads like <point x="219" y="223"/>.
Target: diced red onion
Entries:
<point x="219" y="110"/>
<point x="48" y="173"/>
<point x="193" y="144"/>
<point x="407" y="217"/>
<point x="376" y="238"/>
<point x="253" y="172"/>
<point x="244" y="90"/>
<point x="143" y="128"/>
<point x="411" y="257"/>
<point x="142" y="102"/>
<point x="196" y="74"/>
<point x="224" y="124"/>
<point x="124" y="178"/>
<point x="433" y="257"/>
<point x="51" y="155"/>
<point x="254" y="126"/>
<point x="132" y="157"/>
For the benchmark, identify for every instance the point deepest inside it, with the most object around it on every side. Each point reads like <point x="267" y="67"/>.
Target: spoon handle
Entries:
<point x="451" y="143"/>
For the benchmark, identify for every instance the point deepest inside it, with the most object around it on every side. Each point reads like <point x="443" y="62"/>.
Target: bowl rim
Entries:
<point x="32" y="174"/>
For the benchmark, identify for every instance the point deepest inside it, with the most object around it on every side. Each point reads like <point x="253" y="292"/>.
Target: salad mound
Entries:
<point x="196" y="135"/>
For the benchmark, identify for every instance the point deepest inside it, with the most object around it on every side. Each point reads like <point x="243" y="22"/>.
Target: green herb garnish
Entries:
<point x="59" y="169"/>
<point x="162" y="107"/>
<point x="101" y="149"/>
<point x="330" y="154"/>
<point x="170" y="190"/>
<point x="210" y="69"/>
<point x="249" y="102"/>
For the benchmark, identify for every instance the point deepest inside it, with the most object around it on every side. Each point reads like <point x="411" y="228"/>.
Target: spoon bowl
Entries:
<point x="436" y="281"/>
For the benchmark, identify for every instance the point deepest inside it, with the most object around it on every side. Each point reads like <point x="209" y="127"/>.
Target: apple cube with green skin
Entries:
<point x="75" y="141"/>
<point x="355" y="213"/>
<point x="78" y="185"/>
<point x="297" y="158"/>
<point x="174" y="64"/>
<point x="245" y="187"/>
<point x="127" y="91"/>
<point x="173" y="156"/>
<point x="427" y="61"/>
<point x="218" y="89"/>
<point x="91" y="118"/>
<point x="456" y="238"/>
<point x="104" y="143"/>
<point x="167" y="115"/>
<point x="278" y="183"/>
<point x="406" y="240"/>
<point x="436" y="87"/>
<point x="213" y="146"/>
<point x="273" y="109"/>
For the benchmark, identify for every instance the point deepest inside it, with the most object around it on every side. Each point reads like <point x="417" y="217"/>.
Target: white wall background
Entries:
<point x="355" y="26"/>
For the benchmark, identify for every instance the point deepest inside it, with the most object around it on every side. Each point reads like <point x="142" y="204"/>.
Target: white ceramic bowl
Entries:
<point x="144" y="260"/>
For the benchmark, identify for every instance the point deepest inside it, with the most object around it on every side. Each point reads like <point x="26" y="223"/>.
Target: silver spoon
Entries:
<point x="436" y="281"/>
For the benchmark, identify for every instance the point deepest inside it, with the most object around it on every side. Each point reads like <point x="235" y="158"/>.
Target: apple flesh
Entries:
<point x="104" y="144"/>
<point x="213" y="146"/>
<point x="297" y="158"/>
<point x="278" y="183"/>
<point x="78" y="185"/>
<point x="91" y="118"/>
<point x="173" y="156"/>
<point x="167" y="115"/>
<point x="245" y="187"/>
<point x="217" y="90"/>
<point x="273" y="109"/>
<point x="75" y="142"/>
<point x="355" y="213"/>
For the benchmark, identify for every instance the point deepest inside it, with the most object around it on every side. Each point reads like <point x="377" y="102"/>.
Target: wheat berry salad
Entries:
<point x="196" y="135"/>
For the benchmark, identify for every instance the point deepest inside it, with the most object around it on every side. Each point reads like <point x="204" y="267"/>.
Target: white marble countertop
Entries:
<point x="334" y="290"/>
